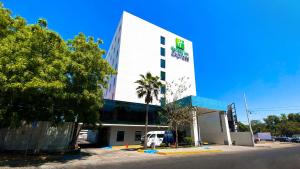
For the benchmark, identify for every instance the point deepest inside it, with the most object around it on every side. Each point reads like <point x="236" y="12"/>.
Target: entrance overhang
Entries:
<point x="215" y="123"/>
<point x="203" y="105"/>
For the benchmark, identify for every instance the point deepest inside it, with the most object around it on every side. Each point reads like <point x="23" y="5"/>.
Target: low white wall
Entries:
<point x="43" y="137"/>
<point x="212" y="128"/>
<point x="129" y="135"/>
<point x="242" y="138"/>
<point x="215" y="137"/>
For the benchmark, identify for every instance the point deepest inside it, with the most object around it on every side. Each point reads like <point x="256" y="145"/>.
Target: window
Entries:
<point x="152" y="136"/>
<point x="162" y="63"/>
<point x="160" y="135"/>
<point x="162" y="51"/>
<point x="138" y="136"/>
<point x="162" y="40"/>
<point x="120" y="135"/>
<point x="162" y="75"/>
<point x="163" y="89"/>
<point x="114" y="81"/>
<point x="162" y="101"/>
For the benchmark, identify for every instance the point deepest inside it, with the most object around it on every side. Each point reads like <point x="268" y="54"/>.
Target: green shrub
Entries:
<point x="188" y="140"/>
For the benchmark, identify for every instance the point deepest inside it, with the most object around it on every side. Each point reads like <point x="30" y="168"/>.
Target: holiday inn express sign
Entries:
<point x="178" y="51"/>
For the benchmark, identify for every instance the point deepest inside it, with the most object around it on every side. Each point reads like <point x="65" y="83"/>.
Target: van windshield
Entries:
<point x="148" y="135"/>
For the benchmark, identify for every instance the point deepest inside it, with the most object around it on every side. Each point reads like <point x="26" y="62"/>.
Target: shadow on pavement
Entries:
<point x="129" y="149"/>
<point x="20" y="160"/>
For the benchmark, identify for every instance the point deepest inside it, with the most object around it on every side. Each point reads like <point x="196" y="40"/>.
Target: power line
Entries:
<point x="264" y="110"/>
<point x="261" y="108"/>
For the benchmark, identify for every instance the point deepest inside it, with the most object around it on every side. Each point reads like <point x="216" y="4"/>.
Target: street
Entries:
<point x="283" y="158"/>
<point x="262" y="156"/>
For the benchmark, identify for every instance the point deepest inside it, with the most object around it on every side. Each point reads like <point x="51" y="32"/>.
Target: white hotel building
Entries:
<point x="139" y="47"/>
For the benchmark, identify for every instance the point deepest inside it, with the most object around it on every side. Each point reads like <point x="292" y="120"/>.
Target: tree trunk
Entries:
<point x="176" y="143"/>
<point x="76" y="132"/>
<point x="146" y="127"/>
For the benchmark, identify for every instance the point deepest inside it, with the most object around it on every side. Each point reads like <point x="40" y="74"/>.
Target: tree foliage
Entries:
<point x="148" y="87"/>
<point x="242" y="127"/>
<point x="43" y="77"/>
<point x="175" y="114"/>
<point x="283" y="125"/>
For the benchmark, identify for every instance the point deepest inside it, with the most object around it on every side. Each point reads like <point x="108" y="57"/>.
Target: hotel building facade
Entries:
<point x="139" y="47"/>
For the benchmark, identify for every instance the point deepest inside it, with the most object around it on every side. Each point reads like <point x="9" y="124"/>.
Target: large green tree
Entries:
<point x="148" y="87"/>
<point x="258" y="126"/>
<point x="43" y="77"/>
<point x="242" y="127"/>
<point x="271" y="121"/>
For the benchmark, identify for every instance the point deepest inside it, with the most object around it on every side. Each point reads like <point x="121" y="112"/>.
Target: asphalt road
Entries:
<point x="283" y="158"/>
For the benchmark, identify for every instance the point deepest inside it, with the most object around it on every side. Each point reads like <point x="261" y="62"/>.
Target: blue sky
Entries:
<point x="250" y="46"/>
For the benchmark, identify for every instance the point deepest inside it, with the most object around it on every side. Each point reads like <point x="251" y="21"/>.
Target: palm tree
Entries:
<point x="148" y="87"/>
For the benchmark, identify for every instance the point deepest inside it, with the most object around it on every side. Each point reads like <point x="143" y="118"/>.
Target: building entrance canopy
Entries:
<point x="203" y="105"/>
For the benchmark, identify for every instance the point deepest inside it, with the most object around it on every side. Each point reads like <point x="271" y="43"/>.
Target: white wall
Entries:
<point x="139" y="53"/>
<point x="43" y="137"/>
<point x="212" y="130"/>
<point x="242" y="138"/>
<point x="112" y="57"/>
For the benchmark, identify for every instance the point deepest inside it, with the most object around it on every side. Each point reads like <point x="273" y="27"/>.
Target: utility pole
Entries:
<point x="248" y="117"/>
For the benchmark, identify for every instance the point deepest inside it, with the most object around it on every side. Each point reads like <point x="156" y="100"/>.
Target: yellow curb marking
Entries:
<point x="129" y="146"/>
<point x="189" y="152"/>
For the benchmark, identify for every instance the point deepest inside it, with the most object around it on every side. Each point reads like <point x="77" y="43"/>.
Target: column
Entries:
<point x="226" y="128"/>
<point x="194" y="128"/>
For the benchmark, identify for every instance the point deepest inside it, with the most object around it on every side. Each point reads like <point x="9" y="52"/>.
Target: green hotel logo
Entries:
<point x="179" y="52"/>
<point x="179" y="44"/>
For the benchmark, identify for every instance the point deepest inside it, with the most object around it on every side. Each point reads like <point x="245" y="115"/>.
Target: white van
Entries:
<point x="155" y="138"/>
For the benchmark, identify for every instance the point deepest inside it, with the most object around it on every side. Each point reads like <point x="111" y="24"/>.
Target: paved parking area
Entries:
<point x="98" y="156"/>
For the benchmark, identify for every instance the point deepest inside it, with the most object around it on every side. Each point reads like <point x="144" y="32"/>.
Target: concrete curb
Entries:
<point x="126" y="147"/>
<point x="181" y="152"/>
<point x="190" y="152"/>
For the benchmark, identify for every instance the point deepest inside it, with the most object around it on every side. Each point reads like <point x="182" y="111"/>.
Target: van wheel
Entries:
<point x="152" y="145"/>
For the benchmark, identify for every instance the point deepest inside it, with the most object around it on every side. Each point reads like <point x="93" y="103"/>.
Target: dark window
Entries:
<point x="138" y="135"/>
<point x="162" y="75"/>
<point x="120" y="135"/>
<point x="160" y="135"/>
<point x="163" y="89"/>
<point x="162" y="63"/>
<point x="152" y="136"/>
<point x="162" y="51"/>
<point x="162" y="40"/>
<point x="162" y="101"/>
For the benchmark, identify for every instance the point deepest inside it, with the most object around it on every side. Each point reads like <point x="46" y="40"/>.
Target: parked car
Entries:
<point x="296" y="140"/>
<point x="155" y="138"/>
<point x="283" y="139"/>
